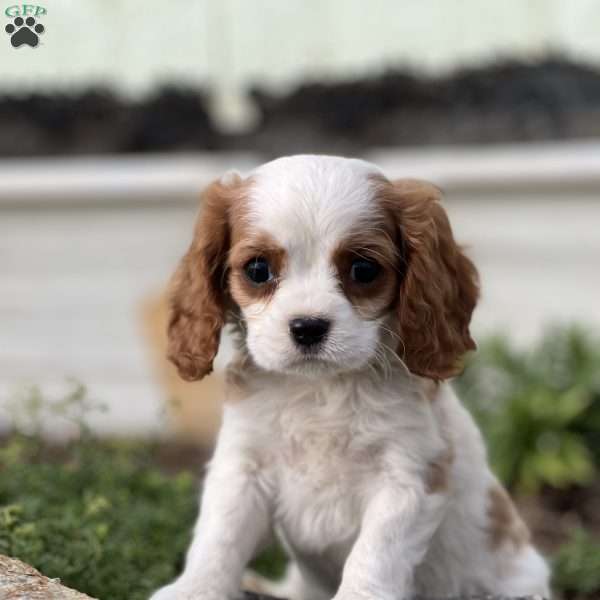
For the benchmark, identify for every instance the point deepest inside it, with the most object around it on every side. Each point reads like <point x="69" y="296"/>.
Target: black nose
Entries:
<point x="308" y="331"/>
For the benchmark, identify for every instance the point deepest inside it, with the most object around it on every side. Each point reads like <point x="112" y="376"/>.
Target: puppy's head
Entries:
<point x="329" y="266"/>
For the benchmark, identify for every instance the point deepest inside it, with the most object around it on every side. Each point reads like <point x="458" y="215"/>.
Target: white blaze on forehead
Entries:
<point x="311" y="198"/>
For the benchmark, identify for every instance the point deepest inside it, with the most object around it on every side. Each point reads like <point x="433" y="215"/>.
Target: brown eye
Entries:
<point x="258" y="270"/>
<point x="364" y="271"/>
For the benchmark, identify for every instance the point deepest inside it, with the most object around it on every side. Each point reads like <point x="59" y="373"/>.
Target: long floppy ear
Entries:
<point x="198" y="296"/>
<point x="440" y="285"/>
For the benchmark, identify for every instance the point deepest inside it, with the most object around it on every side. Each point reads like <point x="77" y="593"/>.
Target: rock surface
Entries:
<point x="19" y="581"/>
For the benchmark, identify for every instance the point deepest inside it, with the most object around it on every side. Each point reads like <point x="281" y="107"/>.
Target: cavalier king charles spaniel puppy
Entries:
<point x="350" y="301"/>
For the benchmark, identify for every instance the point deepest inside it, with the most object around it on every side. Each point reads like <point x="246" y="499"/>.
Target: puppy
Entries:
<point x="351" y="302"/>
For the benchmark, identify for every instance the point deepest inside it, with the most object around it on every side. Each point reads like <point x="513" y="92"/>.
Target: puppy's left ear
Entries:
<point x="439" y="287"/>
<point x="199" y="297"/>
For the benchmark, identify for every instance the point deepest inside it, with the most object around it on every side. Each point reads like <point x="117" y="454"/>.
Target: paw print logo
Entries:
<point x="24" y="32"/>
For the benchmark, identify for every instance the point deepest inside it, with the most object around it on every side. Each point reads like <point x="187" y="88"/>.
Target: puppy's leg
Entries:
<point x="528" y="575"/>
<point x="397" y="527"/>
<point x="292" y="586"/>
<point x="233" y="521"/>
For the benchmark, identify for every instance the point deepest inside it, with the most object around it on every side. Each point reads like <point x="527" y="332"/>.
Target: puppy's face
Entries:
<point x="313" y="266"/>
<point x="329" y="266"/>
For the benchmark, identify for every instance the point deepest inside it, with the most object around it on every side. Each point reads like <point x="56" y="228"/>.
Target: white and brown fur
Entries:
<point x="359" y="456"/>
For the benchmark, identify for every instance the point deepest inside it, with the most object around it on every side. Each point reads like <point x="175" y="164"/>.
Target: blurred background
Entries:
<point x="114" y="118"/>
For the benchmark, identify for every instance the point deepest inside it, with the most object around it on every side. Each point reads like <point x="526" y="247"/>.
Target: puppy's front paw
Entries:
<point x="364" y="595"/>
<point x="168" y="592"/>
<point x="180" y="590"/>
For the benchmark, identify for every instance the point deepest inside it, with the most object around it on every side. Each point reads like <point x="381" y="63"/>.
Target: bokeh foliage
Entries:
<point x="106" y="522"/>
<point x="539" y="408"/>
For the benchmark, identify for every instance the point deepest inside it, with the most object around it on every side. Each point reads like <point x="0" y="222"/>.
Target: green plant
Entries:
<point x="29" y="410"/>
<point x="99" y="515"/>
<point x="539" y="409"/>
<point x="106" y="522"/>
<point x="576" y="567"/>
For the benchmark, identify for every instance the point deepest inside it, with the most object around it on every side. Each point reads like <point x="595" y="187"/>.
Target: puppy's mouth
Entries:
<point x="313" y="358"/>
<point x="314" y="361"/>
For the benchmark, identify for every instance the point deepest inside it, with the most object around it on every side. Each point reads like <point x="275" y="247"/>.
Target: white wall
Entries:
<point x="229" y="43"/>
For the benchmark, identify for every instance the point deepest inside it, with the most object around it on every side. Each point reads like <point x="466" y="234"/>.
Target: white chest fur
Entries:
<point x="324" y="449"/>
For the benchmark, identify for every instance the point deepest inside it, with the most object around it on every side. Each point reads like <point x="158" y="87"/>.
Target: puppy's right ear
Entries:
<point x="198" y="295"/>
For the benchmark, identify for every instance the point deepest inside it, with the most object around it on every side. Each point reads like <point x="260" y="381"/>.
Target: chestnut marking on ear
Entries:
<point x="199" y="296"/>
<point x="440" y="287"/>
